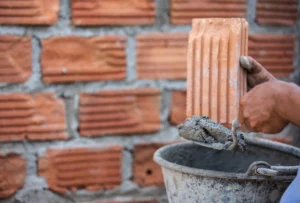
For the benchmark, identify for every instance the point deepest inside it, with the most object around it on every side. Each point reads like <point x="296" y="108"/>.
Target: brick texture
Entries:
<point x="117" y="12"/>
<point x="276" y="12"/>
<point x="274" y="52"/>
<point x="119" y="112"/>
<point x="215" y="79"/>
<point x="15" y="58"/>
<point x="178" y="107"/>
<point x="145" y="171"/>
<point x="71" y="59"/>
<point x="29" y="12"/>
<point x="183" y="11"/>
<point x="81" y="168"/>
<point x="162" y="56"/>
<point x="12" y="174"/>
<point x="33" y="117"/>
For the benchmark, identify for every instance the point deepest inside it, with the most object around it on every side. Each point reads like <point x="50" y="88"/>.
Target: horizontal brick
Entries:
<point x="29" y="12"/>
<point x="178" y="107"/>
<point x="12" y="174"/>
<point x="82" y="168"/>
<point x="107" y="12"/>
<point x="276" y="12"/>
<point x="119" y="112"/>
<point x="274" y="52"/>
<point x="72" y="59"/>
<point x="15" y="58"/>
<point x="183" y="11"/>
<point x="162" y="56"/>
<point x="32" y="117"/>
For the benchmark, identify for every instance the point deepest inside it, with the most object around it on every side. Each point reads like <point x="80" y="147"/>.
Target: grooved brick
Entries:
<point x="71" y="59"/>
<point x="82" y="168"/>
<point x="15" y="58"/>
<point x="33" y="117"/>
<point x="119" y="112"/>
<point x="183" y="11"/>
<point x="276" y="12"/>
<point x="178" y="107"/>
<point x="116" y="12"/>
<point x="145" y="171"/>
<point x="274" y="52"/>
<point x="162" y="56"/>
<point x="215" y="80"/>
<point x="12" y="174"/>
<point x="29" y="12"/>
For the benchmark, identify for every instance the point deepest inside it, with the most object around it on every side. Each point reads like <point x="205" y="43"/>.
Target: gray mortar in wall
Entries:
<point x="35" y="189"/>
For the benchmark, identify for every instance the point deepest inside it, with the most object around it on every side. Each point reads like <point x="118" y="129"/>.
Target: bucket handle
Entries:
<point x="262" y="168"/>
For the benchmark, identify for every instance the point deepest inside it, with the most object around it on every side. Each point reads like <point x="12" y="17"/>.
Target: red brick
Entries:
<point x="215" y="80"/>
<point x="119" y="112"/>
<point x="29" y="12"/>
<point x="274" y="52"/>
<point x="178" y="108"/>
<point x="15" y="58"/>
<point x="12" y="174"/>
<point x="31" y="116"/>
<point x="71" y="59"/>
<point x="162" y="56"/>
<point x="183" y="11"/>
<point x="82" y="168"/>
<point x="145" y="171"/>
<point x="117" y="12"/>
<point x="276" y="12"/>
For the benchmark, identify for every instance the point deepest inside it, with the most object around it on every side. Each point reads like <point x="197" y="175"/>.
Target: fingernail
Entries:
<point x="245" y="62"/>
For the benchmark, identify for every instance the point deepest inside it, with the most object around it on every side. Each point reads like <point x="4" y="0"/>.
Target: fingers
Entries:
<point x="250" y="64"/>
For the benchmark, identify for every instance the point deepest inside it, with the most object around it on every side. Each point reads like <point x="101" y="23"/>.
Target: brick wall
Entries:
<point x="90" y="89"/>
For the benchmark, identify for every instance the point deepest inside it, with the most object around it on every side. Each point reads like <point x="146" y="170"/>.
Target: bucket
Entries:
<point x="261" y="174"/>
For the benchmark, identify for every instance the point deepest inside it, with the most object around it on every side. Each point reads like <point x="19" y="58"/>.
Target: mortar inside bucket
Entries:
<point x="193" y="173"/>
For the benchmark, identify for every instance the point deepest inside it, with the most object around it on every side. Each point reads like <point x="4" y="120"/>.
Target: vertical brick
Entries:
<point x="33" y="117"/>
<point x="15" y="58"/>
<point x="117" y="12"/>
<point x="12" y="174"/>
<point x="29" y="12"/>
<point x="72" y="59"/>
<point x="82" y="168"/>
<point x="119" y="112"/>
<point x="162" y="56"/>
<point x="216" y="82"/>
<point x="178" y="107"/>
<point x="183" y="11"/>
<point x="274" y="52"/>
<point x="276" y="12"/>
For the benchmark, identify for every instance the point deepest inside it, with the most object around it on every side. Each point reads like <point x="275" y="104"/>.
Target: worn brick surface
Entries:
<point x="33" y="117"/>
<point x="274" y="52"/>
<point x="12" y="174"/>
<point x="81" y="168"/>
<point x="29" y="12"/>
<point x="276" y="12"/>
<point x="15" y="58"/>
<point x="162" y="56"/>
<point x="71" y="59"/>
<point x="116" y="12"/>
<point x="178" y="107"/>
<point x="183" y="11"/>
<point x="215" y="80"/>
<point x="119" y="112"/>
<point x="145" y="171"/>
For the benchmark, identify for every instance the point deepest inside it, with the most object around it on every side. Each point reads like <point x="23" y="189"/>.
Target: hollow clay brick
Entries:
<point x="276" y="12"/>
<point x="116" y="12"/>
<point x="15" y="58"/>
<point x="32" y="117"/>
<point x="183" y="11"/>
<point x="274" y="52"/>
<point x="12" y="174"/>
<point x="178" y="107"/>
<point x="215" y="80"/>
<point x="162" y="56"/>
<point x="82" y="168"/>
<point x="119" y="112"/>
<point x="71" y="59"/>
<point x="29" y="12"/>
